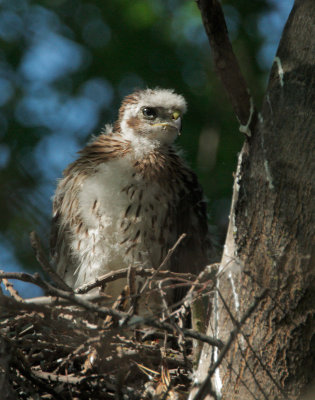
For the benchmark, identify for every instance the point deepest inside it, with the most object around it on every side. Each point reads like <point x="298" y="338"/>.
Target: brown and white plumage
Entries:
<point x="129" y="196"/>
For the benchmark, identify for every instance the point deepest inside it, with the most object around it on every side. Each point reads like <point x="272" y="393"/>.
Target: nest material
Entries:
<point x="63" y="352"/>
<point x="68" y="345"/>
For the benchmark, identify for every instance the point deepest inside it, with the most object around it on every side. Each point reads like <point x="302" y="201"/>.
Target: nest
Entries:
<point x="68" y="345"/>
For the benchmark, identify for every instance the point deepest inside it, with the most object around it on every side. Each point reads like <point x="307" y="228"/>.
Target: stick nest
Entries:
<point x="68" y="345"/>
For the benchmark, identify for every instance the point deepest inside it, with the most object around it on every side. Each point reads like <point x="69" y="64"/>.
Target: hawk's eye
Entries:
<point x="149" y="112"/>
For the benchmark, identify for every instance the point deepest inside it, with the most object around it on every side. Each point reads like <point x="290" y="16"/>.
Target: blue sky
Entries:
<point x="50" y="56"/>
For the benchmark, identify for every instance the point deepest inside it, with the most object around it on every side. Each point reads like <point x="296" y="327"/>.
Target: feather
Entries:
<point x="127" y="199"/>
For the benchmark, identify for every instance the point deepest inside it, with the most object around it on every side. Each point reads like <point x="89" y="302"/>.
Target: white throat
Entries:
<point x="141" y="145"/>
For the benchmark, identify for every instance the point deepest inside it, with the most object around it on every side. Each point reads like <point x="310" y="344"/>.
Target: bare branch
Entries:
<point x="187" y="332"/>
<point x="24" y="277"/>
<point x="236" y="323"/>
<point x="54" y="301"/>
<point x="13" y="292"/>
<point x="163" y="264"/>
<point x="44" y="263"/>
<point x="139" y="271"/>
<point x="206" y="383"/>
<point x="24" y="368"/>
<point x="226" y="63"/>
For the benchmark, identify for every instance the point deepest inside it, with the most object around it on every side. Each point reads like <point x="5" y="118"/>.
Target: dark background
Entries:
<point x="65" y="66"/>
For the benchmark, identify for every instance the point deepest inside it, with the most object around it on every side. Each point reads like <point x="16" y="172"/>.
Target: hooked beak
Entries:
<point x="175" y="124"/>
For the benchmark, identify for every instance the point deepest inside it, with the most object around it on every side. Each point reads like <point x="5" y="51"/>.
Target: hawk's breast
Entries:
<point x="129" y="216"/>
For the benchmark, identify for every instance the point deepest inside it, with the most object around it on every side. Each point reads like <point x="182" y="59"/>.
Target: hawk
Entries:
<point x="129" y="196"/>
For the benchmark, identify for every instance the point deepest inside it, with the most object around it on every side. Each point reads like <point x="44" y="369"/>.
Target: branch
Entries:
<point x="24" y="277"/>
<point x="55" y="301"/>
<point x="44" y="263"/>
<point x="23" y="366"/>
<point x="187" y="332"/>
<point x="202" y="391"/>
<point x="139" y="271"/>
<point x="163" y="264"/>
<point x="226" y="64"/>
<point x="105" y="311"/>
<point x="13" y="292"/>
<point x="235" y="322"/>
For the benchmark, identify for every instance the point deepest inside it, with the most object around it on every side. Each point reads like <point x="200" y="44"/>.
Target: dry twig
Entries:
<point x="44" y="263"/>
<point x="206" y="384"/>
<point x="65" y="342"/>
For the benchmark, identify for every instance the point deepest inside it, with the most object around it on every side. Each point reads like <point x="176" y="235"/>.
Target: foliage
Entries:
<point x="65" y="66"/>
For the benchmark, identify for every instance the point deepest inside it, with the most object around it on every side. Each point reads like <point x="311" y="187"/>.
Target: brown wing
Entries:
<point x="196" y="251"/>
<point x="191" y="216"/>
<point x="66" y="220"/>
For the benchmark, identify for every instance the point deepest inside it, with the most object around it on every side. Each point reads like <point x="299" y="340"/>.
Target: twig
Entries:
<point x="53" y="377"/>
<point x="205" y="384"/>
<point x="135" y="320"/>
<point x="76" y="299"/>
<point x="226" y="63"/>
<point x="235" y="322"/>
<point x="105" y="311"/>
<point x="9" y="304"/>
<point x="24" y="368"/>
<point x="285" y="396"/>
<point x="187" y="332"/>
<point x="167" y="315"/>
<point x="24" y="277"/>
<point x="131" y="278"/>
<point x="163" y="264"/>
<point x="53" y="300"/>
<point x="44" y="263"/>
<point x="9" y="287"/>
<point x="122" y="273"/>
<point x="250" y="369"/>
<point x="72" y="297"/>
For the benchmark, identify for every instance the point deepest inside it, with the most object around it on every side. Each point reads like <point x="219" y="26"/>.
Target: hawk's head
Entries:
<point x="152" y="114"/>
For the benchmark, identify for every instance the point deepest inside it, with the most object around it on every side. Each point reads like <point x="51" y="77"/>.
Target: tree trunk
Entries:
<point x="270" y="238"/>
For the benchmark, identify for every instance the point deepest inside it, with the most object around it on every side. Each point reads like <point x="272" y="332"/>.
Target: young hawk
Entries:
<point x="129" y="196"/>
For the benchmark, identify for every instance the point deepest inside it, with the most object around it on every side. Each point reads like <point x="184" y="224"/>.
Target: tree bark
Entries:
<point x="270" y="241"/>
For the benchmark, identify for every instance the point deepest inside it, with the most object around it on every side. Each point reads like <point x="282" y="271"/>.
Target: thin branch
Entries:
<point x="205" y="384"/>
<point x="72" y="297"/>
<point x="123" y="272"/>
<point x="187" y="332"/>
<point x="226" y="63"/>
<point x="105" y="311"/>
<point x="251" y="370"/>
<point x="135" y="320"/>
<point x="9" y="287"/>
<point x="44" y="263"/>
<point x="24" y="277"/>
<point x="243" y="382"/>
<point x="52" y="377"/>
<point x="55" y="301"/>
<point x="235" y="322"/>
<point x="24" y="368"/>
<point x="163" y="264"/>
<point x="131" y="278"/>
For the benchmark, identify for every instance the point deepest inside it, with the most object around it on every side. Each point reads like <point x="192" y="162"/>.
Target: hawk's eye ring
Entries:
<point x="149" y="112"/>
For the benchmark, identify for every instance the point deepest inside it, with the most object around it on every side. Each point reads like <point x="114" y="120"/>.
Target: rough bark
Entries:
<point x="270" y="242"/>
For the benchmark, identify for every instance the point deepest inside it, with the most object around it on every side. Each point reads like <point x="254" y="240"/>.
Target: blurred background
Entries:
<point x="65" y="66"/>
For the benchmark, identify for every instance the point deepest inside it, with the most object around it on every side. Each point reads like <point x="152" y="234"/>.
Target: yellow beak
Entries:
<point x="175" y="115"/>
<point x="161" y="124"/>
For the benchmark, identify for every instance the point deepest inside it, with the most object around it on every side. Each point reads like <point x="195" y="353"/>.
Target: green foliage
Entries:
<point x="68" y="63"/>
